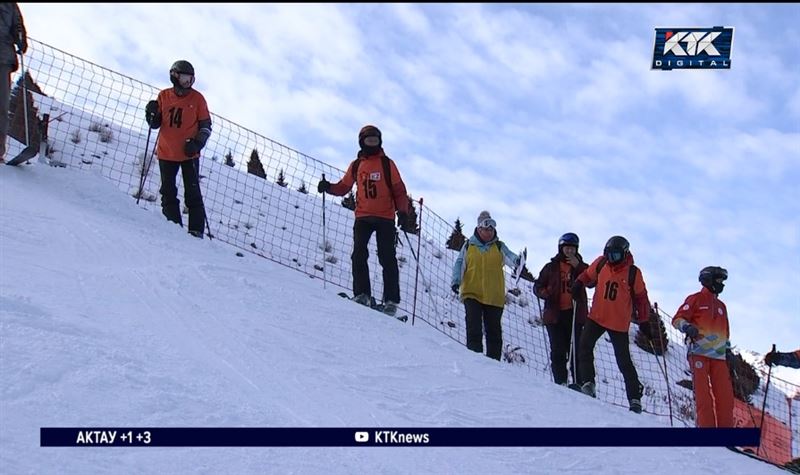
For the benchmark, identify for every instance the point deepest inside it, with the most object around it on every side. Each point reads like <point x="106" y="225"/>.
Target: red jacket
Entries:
<point x="708" y="314"/>
<point x="553" y="282"/>
<point x="181" y="117"/>
<point x="374" y="197"/>
<point x="612" y="303"/>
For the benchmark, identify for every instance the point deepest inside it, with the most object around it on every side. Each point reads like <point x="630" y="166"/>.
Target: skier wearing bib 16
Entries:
<point x="620" y="297"/>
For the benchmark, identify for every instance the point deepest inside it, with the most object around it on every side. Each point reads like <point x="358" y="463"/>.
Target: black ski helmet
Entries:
<point x="617" y="249"/>
<point x="369" y="131"/>
<point x="713" y="278"/>
<point x="181" y="67"/>
<point x="568" y="239"/>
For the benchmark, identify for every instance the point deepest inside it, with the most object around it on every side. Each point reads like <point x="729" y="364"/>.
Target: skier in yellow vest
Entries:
<point x="478" y="275"/>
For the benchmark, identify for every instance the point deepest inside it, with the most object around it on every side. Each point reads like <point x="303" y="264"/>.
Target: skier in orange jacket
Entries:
<point x="621" y="293"/>
<point x="703" y="317"/>
<point x="380" y="194"/>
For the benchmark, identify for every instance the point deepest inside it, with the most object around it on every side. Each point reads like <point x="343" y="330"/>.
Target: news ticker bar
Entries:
<point x="395" y="437"/>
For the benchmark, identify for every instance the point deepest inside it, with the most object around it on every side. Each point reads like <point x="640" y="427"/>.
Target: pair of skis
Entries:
<point x="523" y="257"/>
<point x="376" y="306"/>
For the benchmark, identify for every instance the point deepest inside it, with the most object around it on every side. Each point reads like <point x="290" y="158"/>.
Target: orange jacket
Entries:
<point x="612" y="303"/>
<point x="554" y="286"/>
<point x="708" y="313"/>
<point x="179" y="121"/>
<point x="373" y="195"/>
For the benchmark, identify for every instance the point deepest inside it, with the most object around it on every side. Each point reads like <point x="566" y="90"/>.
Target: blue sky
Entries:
<point x="546" y="115"/>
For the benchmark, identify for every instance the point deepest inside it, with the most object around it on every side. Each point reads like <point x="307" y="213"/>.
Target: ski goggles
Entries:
<point x="569" y="239"/>
<point x="615" y="256"/>
<point x="184" y="79"/>
<point x="372" y="140"/>
<point x="487" y="223"/>
<point x="715" y="274"/>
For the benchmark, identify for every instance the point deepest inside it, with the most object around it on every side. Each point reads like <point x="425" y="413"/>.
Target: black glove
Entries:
<point x="769" y="358"/>
<point x="191" y="147"/>
<point x="402" y="219"/>
<point x="324" y="186"/>
<point x="577" y="289"/>
<point x="691" y="331"/>
<point x="151" y="112"/>
<point x="454" y="288"/>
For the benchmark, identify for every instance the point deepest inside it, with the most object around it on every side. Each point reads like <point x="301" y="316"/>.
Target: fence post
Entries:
<point x="416" y="277"/>
<point x="664" y="356"/>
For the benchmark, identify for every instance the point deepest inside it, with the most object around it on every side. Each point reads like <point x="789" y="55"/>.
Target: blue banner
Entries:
<point x="396" y="437"/>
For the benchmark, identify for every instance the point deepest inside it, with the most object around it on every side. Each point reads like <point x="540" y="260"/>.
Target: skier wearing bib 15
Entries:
<point x="380" y="193"/>
<point x="564" y="314"/>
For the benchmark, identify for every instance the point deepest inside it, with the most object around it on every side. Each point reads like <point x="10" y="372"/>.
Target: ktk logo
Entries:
<point x="695" y="43"/>
<point x="693" y="48"/>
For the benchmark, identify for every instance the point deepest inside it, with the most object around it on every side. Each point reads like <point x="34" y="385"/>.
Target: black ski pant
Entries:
<point x="385" y="235"/>
<point x="560" y="335"/>
<point x="592" y="332"/>
<point x="170" y="205"/>
<point x="482" y="318"/>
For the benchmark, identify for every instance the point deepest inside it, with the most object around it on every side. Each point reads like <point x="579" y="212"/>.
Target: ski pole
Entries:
<point x="546" y="341"/>
<point x="669" y="393"/>
<point x="148" y="163"/>
<point x="764" y="404"/>
<point x="196" y="165"/>
<point x="324" y="239"/>
<point x="572" y="351"/>
<point x="416" y="275"/>
<point x="145" y="165"/>
<point x="24" y="93"/>
<point x="430" y="297"/>
<point x="666" y="373"/>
